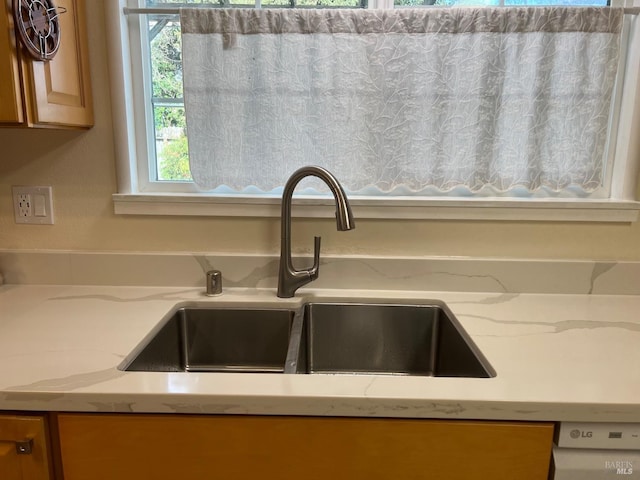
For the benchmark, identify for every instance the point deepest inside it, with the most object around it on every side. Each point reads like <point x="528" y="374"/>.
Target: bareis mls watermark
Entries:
<point x="621" y="467"/>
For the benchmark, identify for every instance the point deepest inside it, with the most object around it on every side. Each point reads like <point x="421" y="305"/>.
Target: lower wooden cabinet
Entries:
<point x="185" y="447"/>
<point x="24" y="451"/>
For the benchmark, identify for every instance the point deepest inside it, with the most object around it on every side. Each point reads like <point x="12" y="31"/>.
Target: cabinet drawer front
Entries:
<point x="195" y="447"/>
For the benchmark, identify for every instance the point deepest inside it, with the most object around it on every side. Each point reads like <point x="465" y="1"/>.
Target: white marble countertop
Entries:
<point x="557" y="357"/>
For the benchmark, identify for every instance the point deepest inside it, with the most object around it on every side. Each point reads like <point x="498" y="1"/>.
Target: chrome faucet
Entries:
<point x="290" y="279"/>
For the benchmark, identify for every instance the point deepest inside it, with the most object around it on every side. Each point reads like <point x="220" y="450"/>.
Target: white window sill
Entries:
<point x="592" y="210"/>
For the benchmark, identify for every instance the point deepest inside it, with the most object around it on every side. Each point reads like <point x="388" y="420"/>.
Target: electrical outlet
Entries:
<point x="24" y="205"/>
<point x="33" y="205"/>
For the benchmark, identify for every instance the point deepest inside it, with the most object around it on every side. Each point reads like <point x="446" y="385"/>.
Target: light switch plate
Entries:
<point x="33" y="205"/>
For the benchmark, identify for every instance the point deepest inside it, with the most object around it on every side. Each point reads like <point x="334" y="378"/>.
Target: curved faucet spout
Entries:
<point x="290" y="279"/>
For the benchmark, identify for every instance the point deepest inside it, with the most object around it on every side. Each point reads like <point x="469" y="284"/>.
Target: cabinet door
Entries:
<point x="61" y="88"/>
<point x="9" y="462"/>
<point x="33" y="465"/>
<point x="129" y="446"/>
<point x="11" y="106"/>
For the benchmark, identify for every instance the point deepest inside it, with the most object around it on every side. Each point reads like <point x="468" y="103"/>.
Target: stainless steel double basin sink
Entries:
<point x="317" y="338"/>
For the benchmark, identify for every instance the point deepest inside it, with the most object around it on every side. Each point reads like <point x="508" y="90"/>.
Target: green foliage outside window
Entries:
<point x="174" y="161"/>
<point x="169" y="117"/>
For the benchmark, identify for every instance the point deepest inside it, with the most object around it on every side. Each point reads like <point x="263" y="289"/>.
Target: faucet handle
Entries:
<point x="315" y="270"/>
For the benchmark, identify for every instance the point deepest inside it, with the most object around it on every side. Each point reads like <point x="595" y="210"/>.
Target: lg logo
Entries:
<point x="580" y="434"/>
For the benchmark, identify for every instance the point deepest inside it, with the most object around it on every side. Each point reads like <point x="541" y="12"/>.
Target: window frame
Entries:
<point x="139" y="196"/>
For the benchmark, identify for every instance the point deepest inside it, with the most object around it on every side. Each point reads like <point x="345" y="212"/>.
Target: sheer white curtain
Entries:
<point x="418" y="101"/>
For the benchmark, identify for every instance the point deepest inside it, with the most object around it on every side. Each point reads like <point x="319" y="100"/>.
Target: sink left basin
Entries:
<point x="215" y="340"/>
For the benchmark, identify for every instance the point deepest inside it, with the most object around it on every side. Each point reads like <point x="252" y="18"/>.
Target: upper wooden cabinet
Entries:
<point x="24" y="452"/>
<point x="53" y="94"/>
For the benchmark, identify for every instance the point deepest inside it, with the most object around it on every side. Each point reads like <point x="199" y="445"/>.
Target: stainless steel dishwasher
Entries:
<point x="590" y="451"/>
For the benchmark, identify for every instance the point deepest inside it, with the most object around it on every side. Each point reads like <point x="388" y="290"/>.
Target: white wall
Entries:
<point x="81" y="168"/>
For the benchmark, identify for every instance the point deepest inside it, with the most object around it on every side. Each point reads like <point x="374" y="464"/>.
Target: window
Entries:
<point x="154" y="160"/>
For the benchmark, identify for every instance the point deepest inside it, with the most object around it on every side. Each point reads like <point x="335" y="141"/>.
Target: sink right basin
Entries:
<point x="385" y="339"/>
